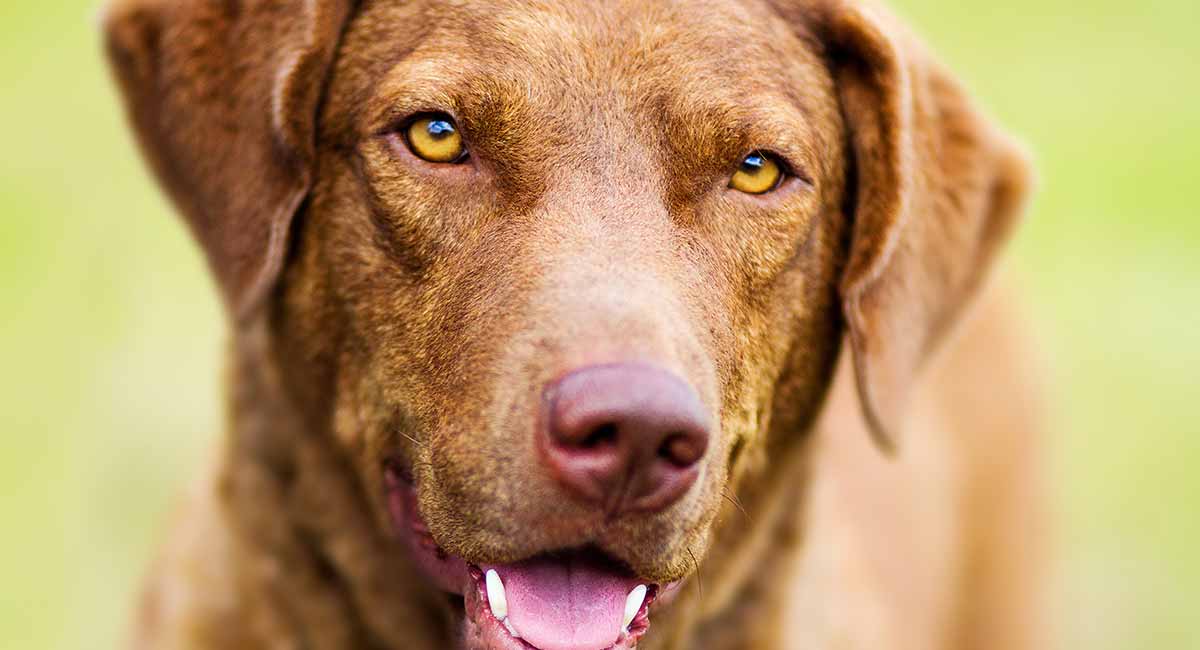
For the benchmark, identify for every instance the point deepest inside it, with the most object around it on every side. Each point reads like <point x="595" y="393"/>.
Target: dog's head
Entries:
<point x="550" y="272"/>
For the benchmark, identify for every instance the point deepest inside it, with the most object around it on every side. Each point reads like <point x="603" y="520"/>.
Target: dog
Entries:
<point x="591" y="325"/>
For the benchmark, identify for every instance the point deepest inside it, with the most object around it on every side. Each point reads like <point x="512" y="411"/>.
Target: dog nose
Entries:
<point x="628" y="437"/>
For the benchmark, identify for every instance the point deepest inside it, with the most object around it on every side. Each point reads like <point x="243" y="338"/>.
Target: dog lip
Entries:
<point x="447" y="572"/>
<point x="455" y="575"/>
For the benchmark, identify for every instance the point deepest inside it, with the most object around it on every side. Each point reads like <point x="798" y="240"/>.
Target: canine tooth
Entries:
<point x="511" y="630"/>
<point x="495" y="593"/>
<point x="633" y="603"/>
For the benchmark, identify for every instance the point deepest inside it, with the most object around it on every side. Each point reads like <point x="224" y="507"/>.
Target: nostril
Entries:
<point x="623" y="434"/>
<point x="604" y="435"/>
<point x="682" y="450"/>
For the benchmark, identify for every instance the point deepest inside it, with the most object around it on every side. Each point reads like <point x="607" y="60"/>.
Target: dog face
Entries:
<point x="589" y="221"/>
<point x="559" y="269"/>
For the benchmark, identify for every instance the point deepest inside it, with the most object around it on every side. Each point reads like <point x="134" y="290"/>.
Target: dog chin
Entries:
<point x="572" y="599"/>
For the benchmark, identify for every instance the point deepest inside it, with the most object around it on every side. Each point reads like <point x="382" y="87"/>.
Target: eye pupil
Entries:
<point x="440" y="129"/>
<point x="757" y="173"/>
<point x="435" y="138"/>
<point x="753" y="163"/>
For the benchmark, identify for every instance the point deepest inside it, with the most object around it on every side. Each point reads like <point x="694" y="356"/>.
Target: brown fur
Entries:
<point x="382" y="310"/>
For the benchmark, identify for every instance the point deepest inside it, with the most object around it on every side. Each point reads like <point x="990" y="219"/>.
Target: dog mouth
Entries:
<point x="574" y="599"/>
<point x="562" y="601"/>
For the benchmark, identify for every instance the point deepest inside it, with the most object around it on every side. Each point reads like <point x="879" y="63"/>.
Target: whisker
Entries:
<point x="699" y="578"/>
<point x="737" y="504"/>
<point x="411" y="439"/>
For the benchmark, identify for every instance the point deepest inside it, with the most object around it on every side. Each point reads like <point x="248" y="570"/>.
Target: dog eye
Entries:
<point x="758" y="173"/>
<point x="435" y="138"/>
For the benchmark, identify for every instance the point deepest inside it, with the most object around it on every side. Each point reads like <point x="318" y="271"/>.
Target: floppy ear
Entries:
<point x="223" y="97"/>
<point x="937" y="190"/>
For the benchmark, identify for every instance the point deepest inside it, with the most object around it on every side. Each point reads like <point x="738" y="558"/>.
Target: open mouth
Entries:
<point x="553" y="602"/>
<point x="578" y="599"/>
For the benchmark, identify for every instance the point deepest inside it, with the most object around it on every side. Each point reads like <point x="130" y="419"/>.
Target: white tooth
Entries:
<point x="633" y="603"/>
<point x="495" y="593"/>
<point x="511" y="630"/>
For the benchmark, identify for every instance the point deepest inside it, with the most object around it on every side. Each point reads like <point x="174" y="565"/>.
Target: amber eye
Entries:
<point x="758" y="173"/>
<point x="436" y="138"/>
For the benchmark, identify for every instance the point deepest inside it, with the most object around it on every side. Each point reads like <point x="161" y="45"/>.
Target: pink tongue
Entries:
<point x="570" y="603"/>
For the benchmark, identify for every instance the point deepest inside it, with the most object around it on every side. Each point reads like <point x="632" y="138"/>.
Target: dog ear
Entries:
<point x="223" y="98"/>
<point x="936" y="191"/>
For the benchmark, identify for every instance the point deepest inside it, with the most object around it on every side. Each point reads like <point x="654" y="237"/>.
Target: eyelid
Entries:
<point x="788" y="144"/>
<point x="400" y="114"/>
<point x="402" y="124"/>
<point x="768" y="154"/>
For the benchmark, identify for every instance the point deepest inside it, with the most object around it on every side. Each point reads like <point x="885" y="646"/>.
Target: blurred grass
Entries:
<point x="110" y="337"/>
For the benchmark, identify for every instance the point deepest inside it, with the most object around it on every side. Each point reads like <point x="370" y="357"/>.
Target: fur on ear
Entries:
<point x="223" y="98"/>
<point x="938" y="190"/>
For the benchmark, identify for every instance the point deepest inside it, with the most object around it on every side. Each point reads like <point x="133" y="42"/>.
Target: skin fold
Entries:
<point x="873" y="479"/>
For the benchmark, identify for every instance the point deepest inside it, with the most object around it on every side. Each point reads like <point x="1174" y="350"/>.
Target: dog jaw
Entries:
<point x="587" y="582"/>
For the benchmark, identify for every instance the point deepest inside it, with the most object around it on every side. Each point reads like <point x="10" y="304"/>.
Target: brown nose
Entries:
<point x="627" y="437"/>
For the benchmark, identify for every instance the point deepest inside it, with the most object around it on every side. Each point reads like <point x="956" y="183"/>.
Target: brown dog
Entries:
<point x="538" y="308"/>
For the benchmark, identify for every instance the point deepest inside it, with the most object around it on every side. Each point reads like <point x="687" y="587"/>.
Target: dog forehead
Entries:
<point x="572" y="50"/>
<point x="615" y="40"/>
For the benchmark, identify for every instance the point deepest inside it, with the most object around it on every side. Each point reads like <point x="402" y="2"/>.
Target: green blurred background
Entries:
<point x="110" y="333"/>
